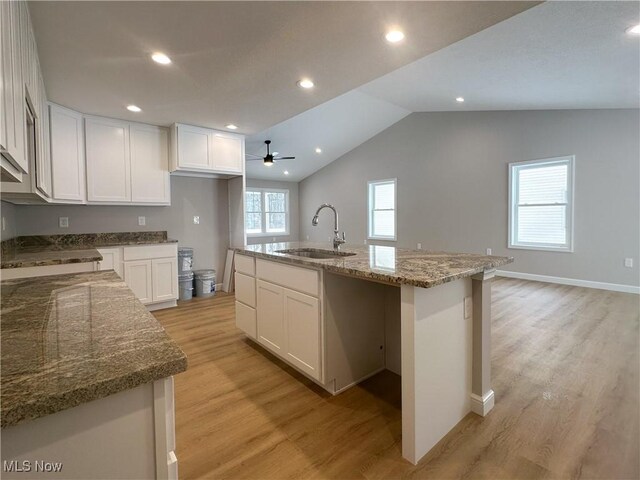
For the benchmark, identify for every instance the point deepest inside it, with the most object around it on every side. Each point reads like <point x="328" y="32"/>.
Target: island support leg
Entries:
<point x="436" y="344"/>
<point x="482" y="398"/>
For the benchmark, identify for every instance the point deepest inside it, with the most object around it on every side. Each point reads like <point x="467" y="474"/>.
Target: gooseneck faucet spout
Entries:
<point x="337" y="239"/>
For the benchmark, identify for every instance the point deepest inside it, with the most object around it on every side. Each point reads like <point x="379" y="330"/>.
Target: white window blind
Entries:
<point x="382" y="209"/>
<point x="266" y="212"/>
<point x="541" y="204"/>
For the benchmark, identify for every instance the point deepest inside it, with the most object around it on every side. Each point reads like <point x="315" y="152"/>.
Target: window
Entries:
<point x="382" y="209"/>
<point x="266" y="212"/>
<point x="541" y="204"/>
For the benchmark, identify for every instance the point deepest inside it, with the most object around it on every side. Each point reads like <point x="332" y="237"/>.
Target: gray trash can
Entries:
<point x="205" y="283"/>
<point x="185" y="286"/>
<point x="185" y="260"/>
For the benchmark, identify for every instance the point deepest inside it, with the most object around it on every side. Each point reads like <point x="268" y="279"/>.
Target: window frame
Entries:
<point x="263" y="191"/>
<point x="513" y="208"/>
<point x="370" y="210"/>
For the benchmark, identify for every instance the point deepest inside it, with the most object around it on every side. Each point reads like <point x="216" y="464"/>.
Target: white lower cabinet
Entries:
<point x="138" y="277"/>
<point x="111" y="260"/>
<point x="302" y="332"/>
<point x="164" y="275"/>
<point x="270" y="316"/>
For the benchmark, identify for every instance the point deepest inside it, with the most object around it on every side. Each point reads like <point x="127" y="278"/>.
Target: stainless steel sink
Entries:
<point x="315" y="253"/>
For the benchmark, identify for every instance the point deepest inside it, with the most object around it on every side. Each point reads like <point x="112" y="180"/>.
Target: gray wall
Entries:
<point x="190" y="196"/>
<point x="294" y="216"/>
<point x="453" y="185"/>
<point x="8" y="212"/>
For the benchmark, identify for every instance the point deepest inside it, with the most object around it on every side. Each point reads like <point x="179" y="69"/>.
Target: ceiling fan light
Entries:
<point x="268" y="162"/>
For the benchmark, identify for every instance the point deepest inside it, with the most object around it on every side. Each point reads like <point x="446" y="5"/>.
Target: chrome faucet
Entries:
<point x="337" y="240"/>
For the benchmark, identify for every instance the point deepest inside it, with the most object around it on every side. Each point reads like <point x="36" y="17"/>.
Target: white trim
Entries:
<point x="262" y="191"/>
<point x="614" y="287"/>
<point x="395" y="210"/>
<point x="482" y="405"/>
<point x="512" y="221"/>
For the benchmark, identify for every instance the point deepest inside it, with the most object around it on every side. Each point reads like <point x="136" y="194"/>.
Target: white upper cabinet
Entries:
<point x="108" y="160"/>
<point x="149" y="164"/>
<point x="12" y="108"/>
<point x="127" y="163"/>
<point x="206" y="151"/>
<point x="67" y="155"/>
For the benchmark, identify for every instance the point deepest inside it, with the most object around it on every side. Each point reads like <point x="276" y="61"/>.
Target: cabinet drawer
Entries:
<point x="301" y="279"/>
<point x="246" y="319"/>
<point x="246" y="289"/>
<point x="146" y="252"/>
<point x="245" y="265"/>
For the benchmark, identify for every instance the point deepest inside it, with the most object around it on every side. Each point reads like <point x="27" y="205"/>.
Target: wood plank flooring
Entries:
<point x="565" y="373"/>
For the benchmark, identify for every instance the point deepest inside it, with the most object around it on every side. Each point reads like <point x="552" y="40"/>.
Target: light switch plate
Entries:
<point x="4" y="224"/>
<point x="419" y="246"/>
<point x="63" y="222"/>
<point x="196" y="220"/>
<point x="628" y="262"/>
<point x="488" y="251"/>
<point x="468" y="307"/>
<point x="142" y="220"/>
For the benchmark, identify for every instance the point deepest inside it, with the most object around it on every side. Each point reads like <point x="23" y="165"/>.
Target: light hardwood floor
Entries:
<point x="565" y="372"/>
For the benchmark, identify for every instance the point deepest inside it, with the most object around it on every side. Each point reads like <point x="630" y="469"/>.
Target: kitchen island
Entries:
<point x="86" y="378"/>
<point x="338" y="320"/>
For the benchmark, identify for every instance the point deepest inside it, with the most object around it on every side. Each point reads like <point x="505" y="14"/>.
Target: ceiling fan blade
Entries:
<point x="284" y="158"/>
<point x="254" y="159"/>
<point x="252" y="155"/>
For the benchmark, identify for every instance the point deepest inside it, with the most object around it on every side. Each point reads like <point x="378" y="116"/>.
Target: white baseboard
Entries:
<point x="482" y="405"/>
<point x="615" y="287"/>
<point x="159" y="306"/>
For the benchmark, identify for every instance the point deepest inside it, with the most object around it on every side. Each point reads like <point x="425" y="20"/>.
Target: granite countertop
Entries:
<point x="45" y="250"/>
<point x="70" y="339"/>
<point x="420" y="268"/>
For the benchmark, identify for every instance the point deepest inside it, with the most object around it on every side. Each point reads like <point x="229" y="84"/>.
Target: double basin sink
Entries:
<point x="315" y="253"/>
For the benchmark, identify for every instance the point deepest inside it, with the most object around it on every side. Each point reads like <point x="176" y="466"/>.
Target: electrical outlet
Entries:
<point x="365" y="241"/>
<point x="628" y="262"/>
<point x="196" y="220"/>
<point x="63" y="222"/>
<point x="419" y="246"/>
<point x="488" y="251"/>
<point x="468" y="307"/>
<point x="307" y="237"/>
<point x="4" y="224"/>
<point x="142" y="221"/>
<point x="273" y="239"/>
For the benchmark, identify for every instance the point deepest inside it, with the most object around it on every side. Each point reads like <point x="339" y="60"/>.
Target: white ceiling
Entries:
<point x="557" y="55"/>
<point x="235" y="62"/>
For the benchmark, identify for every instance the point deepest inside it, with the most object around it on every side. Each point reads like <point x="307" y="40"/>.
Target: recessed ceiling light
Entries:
<point x="635" y="30"/>
<point x="286" y="172"/>
<point x="318" y="150"/>
<point x="394" y="36"/>
<point x="161" y="58"/>
<point x="134" y="108"/>
<point x="305" y="83"/>
<point x="459" y="99"/>
<point x="231" y="126"/>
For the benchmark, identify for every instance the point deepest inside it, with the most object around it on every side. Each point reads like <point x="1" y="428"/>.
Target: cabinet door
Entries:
<point x="137" y="276"/>
<point x="67" y="155"/>
<point x="270" y="316"/>
<point x="111" y="260"/>
<point x="302" y="331"/>
<point x="108" y="160"/>
<point x="228" y="152"/>
<point x="43" y="172"/>
<point x="149" y="164"/>
<point x="194" y="148"/>
<point x="246" y="319"/>
<point x="165" y="279"/>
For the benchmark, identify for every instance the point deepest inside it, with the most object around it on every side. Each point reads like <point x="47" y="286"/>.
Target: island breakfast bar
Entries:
<point x="441" y="303"/>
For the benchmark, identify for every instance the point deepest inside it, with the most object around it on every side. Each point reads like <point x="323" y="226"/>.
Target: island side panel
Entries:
<point x="436" y="343"/>
<point x="482" y="396"/>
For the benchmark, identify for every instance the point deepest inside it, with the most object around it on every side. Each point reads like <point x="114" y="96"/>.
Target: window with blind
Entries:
<point x="382" y="209"/>
<point x="266" y="212"/>
<point x="541" y="204"/>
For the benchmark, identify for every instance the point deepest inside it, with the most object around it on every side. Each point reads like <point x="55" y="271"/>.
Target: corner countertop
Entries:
<point x="46" y="250"/>
<point x="420" y="268"/>
<point x="70" y="339"/>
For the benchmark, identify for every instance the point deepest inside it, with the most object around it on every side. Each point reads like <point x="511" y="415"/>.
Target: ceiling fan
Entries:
<point x="269" y="158"/>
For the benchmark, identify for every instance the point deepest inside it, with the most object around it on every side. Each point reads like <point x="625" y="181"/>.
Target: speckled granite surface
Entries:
<point x="71" y="339"/>
<point x="420" y="268"/>
<point x="43" y="250"/>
